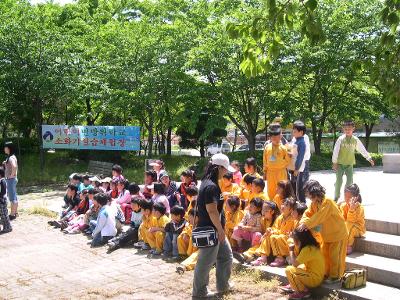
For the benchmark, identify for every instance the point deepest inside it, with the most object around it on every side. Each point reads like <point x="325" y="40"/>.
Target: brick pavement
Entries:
<point x="39" y="262"/>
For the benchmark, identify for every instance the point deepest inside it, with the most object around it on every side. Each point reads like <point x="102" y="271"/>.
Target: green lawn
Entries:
<point x="61" y="164"/>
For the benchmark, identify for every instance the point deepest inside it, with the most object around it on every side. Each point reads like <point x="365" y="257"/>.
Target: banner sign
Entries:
<point x="91" y="137"/>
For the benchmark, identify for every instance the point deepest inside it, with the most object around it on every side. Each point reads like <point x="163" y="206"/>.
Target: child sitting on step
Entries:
<point x="279" y="244"/>
<point x="353" y="213"/>
<point x="275" y="239"/>
<point x="324" y="216"/>
<point x="283" y="191"/>
<point x="233" y="216"/>
<point x="249" y="228"/>
<point x="307" y="269"/>
<point x="270" y="213"/>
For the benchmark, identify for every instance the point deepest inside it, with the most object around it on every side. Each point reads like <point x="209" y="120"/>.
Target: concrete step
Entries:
<point x="379" y="244"/>
<point x="372" y="291"/>
<point x="380" y="269"/>
<point x="383" y="226"/>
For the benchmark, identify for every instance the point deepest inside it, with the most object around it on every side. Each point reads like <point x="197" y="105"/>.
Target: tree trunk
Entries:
<point x="202" y="148"/>
<point x="317" y="142"/>
<point x="150" y="136"/>
<point x="39" y="122"/>
<point x="89" y="119"/>
<point x="334" y="135"/>
<point x="251" y="138"/>
<point x="169" y="141"/>
<point x="4" y="131"/>
<point x="235" y="140"/>
<point x="368" y="131"/>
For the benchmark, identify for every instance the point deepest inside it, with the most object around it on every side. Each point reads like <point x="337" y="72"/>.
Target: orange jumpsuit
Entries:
<point x="355" y="221"/>
<point x="276" y="159"/>
<point x="310" y="272"/>
<point x="326" y="218"/>
<point x="156" y="239"/>
<point x="232" y="220"/>
<point x="281" y="229"/>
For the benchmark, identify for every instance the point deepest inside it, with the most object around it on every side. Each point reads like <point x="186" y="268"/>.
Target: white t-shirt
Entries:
<point x="307" y="155"/>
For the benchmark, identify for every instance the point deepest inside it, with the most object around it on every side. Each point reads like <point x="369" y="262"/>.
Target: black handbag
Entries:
<point x="204" y="236"/>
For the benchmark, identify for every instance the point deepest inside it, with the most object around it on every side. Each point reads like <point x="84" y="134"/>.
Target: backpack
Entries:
<point x="354" y="279"/>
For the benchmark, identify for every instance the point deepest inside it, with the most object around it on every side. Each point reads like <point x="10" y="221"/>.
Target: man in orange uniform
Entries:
<point x="276" y="159"/>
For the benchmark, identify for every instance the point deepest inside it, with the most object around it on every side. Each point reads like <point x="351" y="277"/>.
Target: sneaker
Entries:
<point x="145" y="247"/>
<point x="4" y="231"/>
<point x="331" y="280"/>
<point x="229" y="289"/>
<point x="349" y="250"/>
<point x="12" y="217"/>
<point x="300" y="295"/>
<point x="239" y="257"/>
<point x="278" y="262"/>
<point x="180" y="270"/>
<point x="111" y="246"/>
<point x="156" y="252"/>
<point x="259" y="261"/>
<point x="287" y="289"/>
<point x="138" y="244"/>
<point x="51" y="223"/>
<point x="174" y="259"/>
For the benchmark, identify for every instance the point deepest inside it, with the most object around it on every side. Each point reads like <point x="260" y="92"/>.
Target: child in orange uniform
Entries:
<point x="276" y="159"/>
<point x="353" y="213"/>
<point x="279" y="240"/>
<point x="228" y="187"/>
<point x="284" y="191"/>
<point x="283" y="225"/>
<point x="324" y="216"/>
<point x="307" y="269"/>
<point x="185" y="245"/>
<point x="245" y="193"/>
<point x="257" y="189"/>
<point x="250" y="168"/>
<point x="147" y="220"/>
<point x="156" y="233"/>
<point x="233" y="216"/>
<point x="191" y="195"/>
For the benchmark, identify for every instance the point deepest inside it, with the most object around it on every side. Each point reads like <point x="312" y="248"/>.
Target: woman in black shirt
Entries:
<point x="210" y="213"/>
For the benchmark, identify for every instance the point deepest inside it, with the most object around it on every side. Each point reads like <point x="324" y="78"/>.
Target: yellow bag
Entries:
<point x="354" y="279"/>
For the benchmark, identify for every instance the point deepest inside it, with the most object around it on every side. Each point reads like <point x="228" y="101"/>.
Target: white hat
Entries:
<point x="107" y="179"/>
<point x="94" y="179"/>
<point x="222" y="160"/>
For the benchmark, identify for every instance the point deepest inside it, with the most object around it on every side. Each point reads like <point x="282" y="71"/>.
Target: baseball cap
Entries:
<point x="222" y="160"/>
<point x="163" y="174"/>
<point x="274" y="129"/>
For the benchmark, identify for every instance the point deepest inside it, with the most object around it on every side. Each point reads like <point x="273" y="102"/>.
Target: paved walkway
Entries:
<point x="38" y="262"/>
<point x="380" y="191"/>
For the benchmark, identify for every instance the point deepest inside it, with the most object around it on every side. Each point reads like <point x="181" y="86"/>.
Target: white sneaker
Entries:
<point x="145" y="247"/>
<point x="138" y="244"/>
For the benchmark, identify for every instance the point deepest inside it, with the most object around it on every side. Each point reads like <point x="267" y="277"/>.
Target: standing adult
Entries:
<point x="210" y="213"/>
<point x="11" y="172"/>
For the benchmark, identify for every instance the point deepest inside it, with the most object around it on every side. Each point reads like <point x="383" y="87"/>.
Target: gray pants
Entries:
<point x="222" y="256"/>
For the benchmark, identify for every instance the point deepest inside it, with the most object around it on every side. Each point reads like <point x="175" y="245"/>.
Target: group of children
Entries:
<point x="274" y="227"/>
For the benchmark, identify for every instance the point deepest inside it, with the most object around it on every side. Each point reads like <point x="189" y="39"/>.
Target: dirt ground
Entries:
<point x="39" y="262"/>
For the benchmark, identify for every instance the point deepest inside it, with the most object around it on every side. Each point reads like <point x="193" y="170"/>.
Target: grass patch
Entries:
<point x="41" y="211"/>
<point x="59" y="165"/>
<point x="249" y="277"/>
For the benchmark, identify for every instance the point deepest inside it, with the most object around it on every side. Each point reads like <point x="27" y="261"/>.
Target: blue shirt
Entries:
<point x="301" y="151"/>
